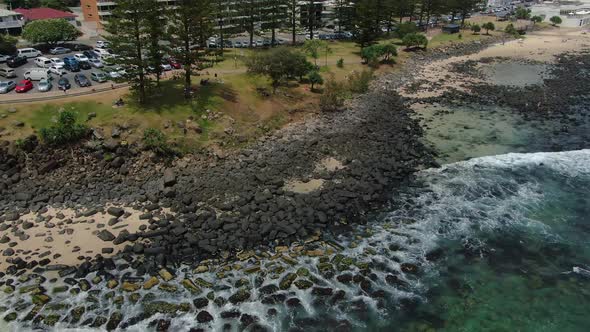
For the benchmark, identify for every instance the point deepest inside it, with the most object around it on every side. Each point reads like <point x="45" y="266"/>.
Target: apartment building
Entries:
<point x="11" y="22"/>
<point x="233" y="15"/>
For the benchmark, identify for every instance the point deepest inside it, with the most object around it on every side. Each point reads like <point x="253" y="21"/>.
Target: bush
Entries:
<point x="555" y="20"/>
<point x="315" y="79"/>
<point x="155" y="140"/>
<point x="536" y="19"/>
<point x="489" y="27"/>
<point x="415" y="40"/>
<point x="406" y="28"/>
<point x="334" y="95"/>
<point x="65" y="131"/>
<point x="340" y="63"/>
<point x="373" y="54"/>
<point x="475" y="28"/>
<point x="523" y="13"/>
<point x="358" y="82"/>
<point x="511" y="30"/>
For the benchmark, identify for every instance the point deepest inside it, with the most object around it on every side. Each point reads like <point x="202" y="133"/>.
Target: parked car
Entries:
<point x="174" y="63"/>
<point x="102" y="44"/>
<point x="71" y="64"/>
<point x="24" y="86"/>
<point x="96" y="63"/>
<point x="238" y="44"/>
<point x="37" y="74"/>
<point x="112" y="72"/>
<point x="228" y="44"/>
<point x="43" y="62"/>
<point x="90" y="54"/>
<point x="3" y="57"/>
<point x="166" y="66"/>
<point x="98" y="77"/>
<point x="16" y="61"/>
<point x="7" y="72"/>
<point x="64" y="84"/>
<point x="259" y="43"/>
<point x="28" y="52"/>
<point x="59" y="50"/>
<point x="7" y="86"/>
<point x="44" y="86"/>
<point x="82" y="80"/>
<point x="85" y="65"/>
<point x="57" y="62"/>
<point x="80" y="57"/>
<point x="57" y="70"/>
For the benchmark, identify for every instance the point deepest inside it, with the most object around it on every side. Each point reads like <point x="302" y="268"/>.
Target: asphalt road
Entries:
<point x="20" y="71"/>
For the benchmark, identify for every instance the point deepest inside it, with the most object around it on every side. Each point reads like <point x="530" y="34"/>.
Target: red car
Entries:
<point x="24" y="86"/>
<point x="174" y="63"/>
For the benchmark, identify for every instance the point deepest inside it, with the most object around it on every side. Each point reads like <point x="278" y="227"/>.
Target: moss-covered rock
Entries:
<point x="60" y="289"/>
<point x="98" y="321"/>
<point x="287" y="280"/>
<point x="190" y="286"/>
<point x="166" y="275"/>
<point x="302" y="272"/>
<point x="97" y="280"/>
<point x="76" y="314"/>
<point x="161" y="307"/>
<point x="32" y="289"/>
<point x="240" y="296"/>
<point x="8" y="289"/>
<point x="113" y="283"/>
<point x="57" y="306"/>
<point x="203" y="283"/>
<point x="84" y="285"/>
<point x="119" y="299"/>
<point x="130" y="286"/>
<point x="32" y="313"/>
<point x="151" y="283"/>
<point x="114" y="321"/>
<point x="10" y="317"/>
<point x="134" y="297"/>
<point x="303" y="283"/>
<point x="51" y="320"/>
<point x="41" y="299"/>
<point x="166" y="287"/>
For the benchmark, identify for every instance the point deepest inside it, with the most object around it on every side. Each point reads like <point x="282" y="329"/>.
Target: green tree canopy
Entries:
<point x="50" y="32"/>
<point x="489" y="27"/>
<point x="415" y="40"/>
<point x="279" y="64"/>
<point x="555" y="20"/>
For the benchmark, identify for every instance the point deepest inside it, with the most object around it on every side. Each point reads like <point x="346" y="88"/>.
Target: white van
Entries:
<point x="28" y="52"/>
<point x="37" y="74"/>
<point x="43" y="62"/>
<point x="101" y="53"/>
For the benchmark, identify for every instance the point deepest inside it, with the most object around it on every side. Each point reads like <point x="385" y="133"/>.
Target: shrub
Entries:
<point x="475" y="28"/>
<point x="523" y="13"/>
<point x="156" y="141"/>
<point x="334" y="95"/>
<point x="373" y="54"/>
<point x="511" y="30"/>
<point x="555" y="20"/>
<point x="536" y="19"/>
<point x="406" y="28"/>
<point x="415" y="40"/>
<point x="489" y="27"/>
<point x="358" y="82"/>
<point x="65" y="131"/>
<point x="315" y="79"/>
<point x="340" y="63"/>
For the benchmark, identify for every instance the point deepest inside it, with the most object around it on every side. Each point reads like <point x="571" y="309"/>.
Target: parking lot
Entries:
<point x="20" y="71"/>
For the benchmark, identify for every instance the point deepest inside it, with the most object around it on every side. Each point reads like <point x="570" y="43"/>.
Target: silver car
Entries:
<point x="44" y="86"/>
<point x="7" y="86"/>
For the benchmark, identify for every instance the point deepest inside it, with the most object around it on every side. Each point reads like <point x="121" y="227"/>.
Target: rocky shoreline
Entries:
<point x="215" y="215"/>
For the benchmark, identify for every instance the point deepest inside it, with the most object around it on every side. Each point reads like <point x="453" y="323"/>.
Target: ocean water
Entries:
<point x="499" y="243"/>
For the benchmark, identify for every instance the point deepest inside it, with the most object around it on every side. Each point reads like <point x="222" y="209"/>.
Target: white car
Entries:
<point x="81" y="57"/>
<point x="96" y="63"/>
<point x="57" y="70"/>
<point x="57" y="62"/>
<point x="3" y="57"/>
<point x="102" y="44"/>
<point x="112" y="72"/>
<point x="166" y="67"/>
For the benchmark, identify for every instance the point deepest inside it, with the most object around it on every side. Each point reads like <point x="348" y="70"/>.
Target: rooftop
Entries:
<point x="5" y="12"/>
<point x="43" y="13"/>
